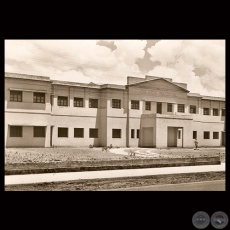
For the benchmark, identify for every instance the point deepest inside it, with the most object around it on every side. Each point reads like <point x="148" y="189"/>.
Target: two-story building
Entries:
<point x="147" y="112"/>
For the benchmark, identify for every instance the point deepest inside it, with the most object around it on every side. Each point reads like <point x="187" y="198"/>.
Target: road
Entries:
<point x="68" y="176"/>
<point x="216" y="185"/>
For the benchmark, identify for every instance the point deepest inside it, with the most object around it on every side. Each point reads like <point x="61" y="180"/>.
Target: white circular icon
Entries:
<point x="201" y="220"/>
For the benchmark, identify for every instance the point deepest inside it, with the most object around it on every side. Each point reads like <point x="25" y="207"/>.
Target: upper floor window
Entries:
<point x="192" y="109"/>
<point x="62" y="101"/>
<point x="215" y="112"/>
<point x="148" y="105"/>
<point x="134" y="104"/>
<point x="223" y="112"/>
<point x="16" y="96"/>
<point x="93" y="103"/>
<point x="116" y="103"/>
<point x="206" y="111"/>
<point x="78" y="102"/>
<point x="39" y="98"/>
<point x="180" y="108"/>
<point x="169" y="107"/>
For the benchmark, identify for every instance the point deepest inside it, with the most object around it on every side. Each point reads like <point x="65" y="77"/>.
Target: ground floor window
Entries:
<point x="194" y="135"/>
<point x="206" y="135"/>
<point x="78" y="132"/>
<point x="116" y="133"/>
<point x="138" y="133"/>
<point x="215" y="135"/>
<point x="93" y="133"/>
<point x="132" y="133"/>
<point x="62" y="132"/>
<point x="39" y="131"/>
<point x="15" y="131"/>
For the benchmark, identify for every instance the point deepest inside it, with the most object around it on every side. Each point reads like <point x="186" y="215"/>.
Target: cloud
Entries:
<point x="179" y="60"/>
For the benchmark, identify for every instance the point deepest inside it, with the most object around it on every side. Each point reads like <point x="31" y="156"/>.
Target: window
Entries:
<point x="169" y="107"/>
<point x="215" y="112"/>
<point x="215" y="135"/>
<point x="134" y="104"/>
<point x="116" y="103"/>
<point x="206" y="135"/>
<point x="138" y="133"/>
<point x="192" y="109"/>
<point x="116" y="133"/>
<point x="180" y="108"/>
<point x="39" y="131"/>
<point x="78" y="102"/>
<point x="194" y="135"/>
<point x="78" y="132"/>
<point x="39" y="98"/>
<point x="93" y="103"/>
<point x="223" y="112"/>
<point x="93" y="133"/>
<point x="62" y="132"/>
<point x="159" y="107"/>
<point x="179" y="134"/>
<point x="15" y="131"/>
<point x="148" y="105"/>
<point x="132" y="133"/>
<point x="62" y="101"/>
<point x="206" y="111"/>
<point x="16" y="96"/>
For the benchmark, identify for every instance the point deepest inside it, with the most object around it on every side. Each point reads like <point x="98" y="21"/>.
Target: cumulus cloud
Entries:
<point x="179" y="60"/>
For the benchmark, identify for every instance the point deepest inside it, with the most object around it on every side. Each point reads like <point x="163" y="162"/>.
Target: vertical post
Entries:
<point x="47" y="137"/>
<point x="199" y="107"/>
<point x="71" y="97"/>
<point x="174" y="108"/>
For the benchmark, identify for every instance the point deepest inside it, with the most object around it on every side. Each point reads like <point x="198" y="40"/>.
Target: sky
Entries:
<point x="198" y="63"/>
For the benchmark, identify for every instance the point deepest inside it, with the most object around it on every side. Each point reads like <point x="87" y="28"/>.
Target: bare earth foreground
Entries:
<point x="47" y="155"/>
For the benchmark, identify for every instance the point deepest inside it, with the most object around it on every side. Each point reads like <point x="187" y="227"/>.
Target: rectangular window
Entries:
<point x="93" y="133"/>
<point x="132" y="133"/>
<point x="39" y="98"/>
<point x="148" y="105"/>
<point x="62" y="132"/>
<point x="138" y="133"/>
<point x="16" y="96"/>
<point x="62" y="101"/>
<point x="39" y="131"/>
<point x="215" y="112"/>
<point x="206" y="135"/>
<point x="78" y="132"/>
<point x="179" y="134"/>
<point x="215" y="135"/>
<point x="78" y="102"/>
<point x="206" y="111"/>
<point x="134" y="104"/>
<point x="15" y="131"/>
<point x="180" y="108"/>
<point x="169" y="107"/>
<point x="192" y="109"/>
<point x="159" y="107"/>
<point x="93" y="103"/>
<point x="116" y="133"/>
<point x="194" y="135"/>
<point x="223" y="113"/>
<point x="116" y="103"/>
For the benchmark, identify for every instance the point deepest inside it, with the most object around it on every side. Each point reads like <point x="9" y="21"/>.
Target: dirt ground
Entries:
<point x="116" y="183"/>
<point x="35" y="155"/>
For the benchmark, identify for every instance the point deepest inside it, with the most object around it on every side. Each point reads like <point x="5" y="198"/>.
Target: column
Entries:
<point x="186" y="109"/>
<point x="220" y="110"/>
<point x="211" y="109"/>
<point x="86" y="97"/>
<point x="55" y="100"/>
<point x="199" y="107"/>
<point x="71" y="98"/>
<point x="174" y="108"/>
<point x="47" y="140"/>
<point x="153" y="107"/>
<point x="47" y="101"/>
<point x="141" y="106"/>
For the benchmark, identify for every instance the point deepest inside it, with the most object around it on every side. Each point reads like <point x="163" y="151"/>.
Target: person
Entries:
<point x="196" y="143"/>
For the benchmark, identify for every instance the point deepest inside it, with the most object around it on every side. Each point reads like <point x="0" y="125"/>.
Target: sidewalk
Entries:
<point x="52" y="177"/>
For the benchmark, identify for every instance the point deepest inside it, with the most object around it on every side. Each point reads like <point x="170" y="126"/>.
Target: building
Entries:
<point x="147" y="112"/>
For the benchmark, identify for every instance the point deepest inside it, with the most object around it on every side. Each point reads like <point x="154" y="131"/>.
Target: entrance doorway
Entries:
<point x="175" y="137"/>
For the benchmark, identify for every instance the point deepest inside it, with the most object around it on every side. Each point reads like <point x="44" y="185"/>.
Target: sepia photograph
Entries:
<point x="114" y="115"/>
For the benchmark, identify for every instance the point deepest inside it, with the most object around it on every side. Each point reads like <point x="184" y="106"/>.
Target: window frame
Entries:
<point x="16" y="93"/>
<point x="63" y="128"/>
<point x="91" y="133"/>
<point x="15" y="133"/>
<point x="80" y="100"/>
<point x="205" y="110"/>
<point x="192" y="107"/>
<point x="92" y="101"/>
<point x="116" y="103"/>
<point x="216" y="138"/>
<point x="169" y="105"/>
<point x="148" y="105"/>
<point x="179" y="108"/>
<point x="39" y="133"/>
<point x="63" y="98"/>
<point x="39" y="96"/>
<point x="75" y="132"/>
<point x="216" y="110"/>
<point x="114" y="135"/>
<point x="135" y="104"/>
<point x="207" y="132"/>
<point x="194" y="136"/>
<point x="132" y="133"/>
